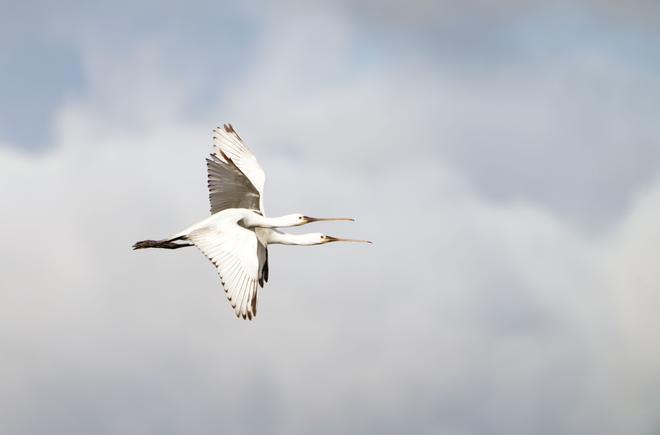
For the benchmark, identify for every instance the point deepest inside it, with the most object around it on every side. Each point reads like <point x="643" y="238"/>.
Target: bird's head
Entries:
<point x="300" y="219"/>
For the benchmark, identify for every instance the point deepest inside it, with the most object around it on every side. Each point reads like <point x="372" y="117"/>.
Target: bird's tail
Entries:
<point x="163" y="244"/>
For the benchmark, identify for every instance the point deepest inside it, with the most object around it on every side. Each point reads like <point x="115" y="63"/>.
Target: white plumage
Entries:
<point x="237" y="234"/>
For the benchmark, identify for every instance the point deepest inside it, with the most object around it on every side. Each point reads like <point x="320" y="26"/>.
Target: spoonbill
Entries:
<point x="237" y="234"/>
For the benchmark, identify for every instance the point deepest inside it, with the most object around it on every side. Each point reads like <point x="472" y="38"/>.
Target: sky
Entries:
<point x="504" y="157"/>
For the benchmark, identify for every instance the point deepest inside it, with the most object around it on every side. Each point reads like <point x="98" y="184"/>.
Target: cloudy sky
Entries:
<point x="503" y="156"/>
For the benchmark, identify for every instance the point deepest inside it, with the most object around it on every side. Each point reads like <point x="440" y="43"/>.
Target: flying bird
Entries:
<point x="237" y="234"/>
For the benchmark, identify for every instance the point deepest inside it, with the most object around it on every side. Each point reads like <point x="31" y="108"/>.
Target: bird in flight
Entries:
<point x="237" y="234"/>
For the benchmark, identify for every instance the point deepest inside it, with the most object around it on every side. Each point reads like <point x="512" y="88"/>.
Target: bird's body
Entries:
<point x="251" y="219"/>
<point x="237" y="234"/>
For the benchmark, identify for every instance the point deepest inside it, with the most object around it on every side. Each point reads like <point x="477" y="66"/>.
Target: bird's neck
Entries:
<point x="278" y="237"/>
<point x="256" y="220"/>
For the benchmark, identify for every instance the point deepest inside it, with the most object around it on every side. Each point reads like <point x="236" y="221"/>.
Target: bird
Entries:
<point x="236" y="236"/>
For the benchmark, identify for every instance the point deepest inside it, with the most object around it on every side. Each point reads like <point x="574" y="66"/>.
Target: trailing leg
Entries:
<point x="163" y="244"/>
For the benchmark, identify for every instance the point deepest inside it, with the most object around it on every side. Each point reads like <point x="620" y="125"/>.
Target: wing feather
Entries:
<point x="234" y="252"/>
<point x="230" y="148"/>
<point x="241" y="294"/>
<point x="232" y="269"/>
<point x="229" y="187"/>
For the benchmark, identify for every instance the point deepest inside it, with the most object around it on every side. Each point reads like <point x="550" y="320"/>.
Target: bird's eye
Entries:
<point x="300" y="217"/>
<point x="323" y="237"/>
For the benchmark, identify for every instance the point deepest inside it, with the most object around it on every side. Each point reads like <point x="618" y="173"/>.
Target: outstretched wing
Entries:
<point x="230" y="148"/>
<point x="229" y="187"/>
<point x="235" y="252"/>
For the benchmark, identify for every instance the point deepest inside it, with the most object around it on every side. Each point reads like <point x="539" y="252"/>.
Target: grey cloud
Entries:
<point x="468" y="315"/>
<point x="348" y="339"/>
<point x="571" y="129"/>
<point x="207" y="46"/>
<point x="423" y="14"/>
<point x="37" y="76"/>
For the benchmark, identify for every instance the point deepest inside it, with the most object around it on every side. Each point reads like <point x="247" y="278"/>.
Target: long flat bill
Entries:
<point x="313" y="219"/>
<point x="340" y="239"/>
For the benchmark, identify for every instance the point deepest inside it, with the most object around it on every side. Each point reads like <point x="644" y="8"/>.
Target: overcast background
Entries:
<point x="503" y="156"/>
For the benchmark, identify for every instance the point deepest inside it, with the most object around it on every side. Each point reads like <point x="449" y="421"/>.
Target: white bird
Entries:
<point x="236" y="235"/>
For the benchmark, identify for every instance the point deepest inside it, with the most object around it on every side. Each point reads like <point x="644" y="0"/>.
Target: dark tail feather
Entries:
<point x="164" y="244"/>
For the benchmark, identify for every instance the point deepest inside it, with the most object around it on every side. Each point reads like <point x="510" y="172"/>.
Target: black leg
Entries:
<point x="172" y="245"/>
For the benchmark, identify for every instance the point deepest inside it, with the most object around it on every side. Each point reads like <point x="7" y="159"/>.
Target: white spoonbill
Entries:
<point x="236" y="235"/>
